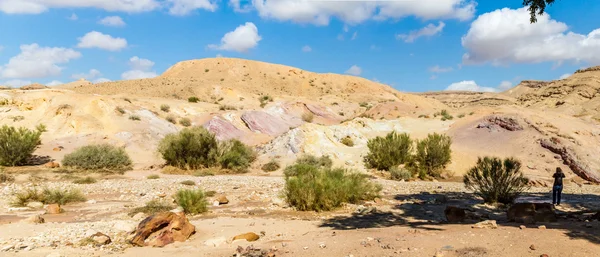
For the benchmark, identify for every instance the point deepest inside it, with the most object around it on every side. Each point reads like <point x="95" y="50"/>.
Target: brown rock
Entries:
<point x="544" y="255"/>
<point x="250" y="237"/>
<point x="53" y="209"/>
<point x="52" y="165"/>
<point x="162" y="229"/>
<point x="223" y="199"/>
<point x="35" y="219"/>
<point x="532" y="247"/>
<point x="100" y="239"/>
<point x="486" y="224"/>
<point x="542" y="227"/>
<point x="522" y="227"/>
<point x="455" y="214"/>
<point x="530" y="213"/>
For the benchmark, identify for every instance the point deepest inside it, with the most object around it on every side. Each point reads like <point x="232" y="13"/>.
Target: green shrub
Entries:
<point x="445" y="115"/>
<point x="186" y="122"/>
<point x="235" y="155"/>
<point x="47" y="196"/>
<point x="134" y="117"/>
<point x="41" y="127"/>
<point x="5" y="177"/>
<point x="193" y="99"/>
<point x="86" y="180"/>
<point x="152" y="207"/>
<point x="308" y="160"/>
<point x="203" y="173"/>
<point x="397" y="173"/>
<point x="191" y="148"/>
<point x="460" y="116"/>
<point x="495" y="180"/>
<point x="153" y="176"/>
<point x="227" y="107"/>
<point x="165" y="108"/>
<point x="100" y="157"/>
<point x="313" y="188"/>
<point x="271" y="166"/>
<point x="264" y="100"/>
<point x="17" y="145"/>
<point x="433" y="154"/>
<point x="308" y="117"/>
<point x="347" y="140"/>
<point x="172" y="119"/>
<point x="389" y="151"/>
<point x="188" y="183"/>
<point x="120" y="110"/>
<point x="192" y="201"/>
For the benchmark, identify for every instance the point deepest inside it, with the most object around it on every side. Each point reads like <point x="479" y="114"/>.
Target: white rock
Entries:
<point x="90" y="232"/>
<point x="216" y="203"/>
<point x="139" y="216"/>
<point x="7" y="248"/>
<point x="216" y="242"/>
<point x="91" y="202"/>
<point x="124" y="226"/>
<point x="179" y="209"/>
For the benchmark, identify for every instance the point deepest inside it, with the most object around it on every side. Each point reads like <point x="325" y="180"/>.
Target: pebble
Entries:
<point x="522" y="227"/>
<point x="542" y="227"/>
<point x="322" y="245"/>
<point x="532" y="247"/>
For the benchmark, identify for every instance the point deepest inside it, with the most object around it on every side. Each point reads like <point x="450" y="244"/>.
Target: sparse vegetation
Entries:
<point x="41" y="127"/>
<point x="235" y="155"/>
<point x="17" y="145"/>
<point x="191" y="148"/>
<point x="460" y="116"/>
<point x="152" y="207"/>
<point x="206" y="70"/>
<point x="227" y="107"/>
<point x="4" y="101"/>
<point x="471" y="113"/>
<point x="165" y="108"/>
<point x="153" y="176"/>
<point x="495" y="180"/>
<point x="222" y="79"/>
<point x="389" y="151"/>
<point x="5" y="177"/>
<point x="186" y="122"/>
<point x="308" y="117"/>
<point x="62" y="107"/>
<point x="134" y="117"/>
<point x="192" y="201"/>
<point x="17" y="118"/>
<point x="424" y="116"/>
<point x="188" y="183"/>
<point x="398" y="173"/>
<point x="445" y="115"/>
<point x="86" y="180"/>
<point x="264" y="100"/>
<point x="120" y="110"/>
<point x="47" y="196"/>
<point x="203" y="173"/>
<point x="101" y="157"/>
<point x="321" y="188"/>
<point x="193" y="99"/>
<point x="271" y="166"/>
<point x="347" y="140"/>
<point x="171" y="118"/>
<point x="433" y="154"/>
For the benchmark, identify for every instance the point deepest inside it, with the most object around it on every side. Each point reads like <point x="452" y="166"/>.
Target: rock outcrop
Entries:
<point x="495" y="122"/>
<point x="571" y="159"/>
<point x="223" y="129"/>
<point x="162" y="229"/>
<point x="529" y="213"/>
<point x="455" y="214"/>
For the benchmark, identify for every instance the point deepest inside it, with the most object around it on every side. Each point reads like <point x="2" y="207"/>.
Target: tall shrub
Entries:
<point x="17" y="145"/>
<point x="433" y="154"/>
<point x="495" y="180"/>
<point x="191" y="148"/>
<point x="235" y="155"/>
<point x="98" y="157"/>
<point x="389" y="151"/>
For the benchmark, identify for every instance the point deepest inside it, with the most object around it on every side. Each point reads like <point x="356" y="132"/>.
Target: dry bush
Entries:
<point x="101" y="157"/>
<point x="17" y="145"/>
<point x="192" y="201"/>
<point x="495" y="180"/>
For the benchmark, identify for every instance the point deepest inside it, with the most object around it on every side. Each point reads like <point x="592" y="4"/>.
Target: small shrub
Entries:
<point x="347" y="140"/>
<point x="152" y="207"/>
<point x="271" y="166"/>
<point x="120" y="110"/>
<point x="165" y="108"/>
<point x="424" y="116"/>
<point x="206" y="70"/>
<point x="264" y="100"/>
<point x="134" y="117"/>
<point x="471" y="113"/>
<point x="341" y="113"/>
<point x="308" y="117"/>
<point x="101" y="157"/>
<point x="5" y="177"/>
<point x="227" y="108"/>
<point x="186" y="122"/>
<point x="235" y="155"/>
<point x="210" y="193"/>
<point x="192" y="201"/>
<point x="389" y="151"/>
<point x="41" y="127"/>
<point x="222" y="79"/>
<point x="188" y="183"/>
<point x="445" y="115"/>
<point x="460" y="116"/>
<point x="191" y="148"/>
<point x="127" y="100"/>
<point x="397" y="173"/>
<point x="495" y="180"/>
<point x="62" y="107"/>
<point x="193" y="99"/>
<point x="86" y="180"/>
<point x="364" y="104"/>
<point x="17" y="118"/>
<point x="433" y="154"/>
<point x="17" y="145"/>
<point x="153" y="176"/>
<point x="47" y="196"/>
<point x="172" y="119"/>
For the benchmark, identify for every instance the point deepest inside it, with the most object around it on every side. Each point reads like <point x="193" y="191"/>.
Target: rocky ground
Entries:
<point x="408" y="220"/>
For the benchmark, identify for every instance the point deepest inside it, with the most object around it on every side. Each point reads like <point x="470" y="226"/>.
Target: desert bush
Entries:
<point x="152" y="207"/>
<point x="264" y="100"/>
<point x="495" y="180"/>
<point x="86" y="180"/>
<point x="100" y="157"/>
<point x="186" y="122"/>
<point x="17" y="145"/>
<point x="271" y="166"/>
<point x="313" y="188"/>
<point x="165" y="108"/>
<point x="235" y="155"/>
<point x="188" y="183"/>
<point x="41" y="128"/>
<point x="308" y="117"/>
<point x="397" y="173"/>
<point x="445" y="115"/>
<point x="389" y="151"/>
<point x="193" y="99"/>
<point x="347" y="140"/>
<point x="460" y="116"/>
<point x="191" y="148"/>
<point x="134" y="117"/>
<point x="308" y="160"/>
<point x="192" y="201"/>
<point x="433" y="154"/>
<point x="5" y="177"/>
<point x="153" y="176"/>
<point x="47" y="196"/>
<point x="227" y="107"/>
<point x="172" y="119"/>
<point x="203" y="173"/>
<point x="120" y="110"/>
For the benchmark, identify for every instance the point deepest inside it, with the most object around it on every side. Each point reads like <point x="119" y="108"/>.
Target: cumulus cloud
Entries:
<point x="564" y="76"/>
<point x="354" y="70"/>
<point x="96" y="39"/>
<point x="185" y="7"/>
<point x="37" y="62"/>
<point x="354" y="12"/>
<point x="54" y="83"/>
<point x="470" y="85"/>
<point x="506" y="36"/>
<point x="427" y="31"/>
<point x="239" y="7"/>
<point x="39" y="6"/>
<point x="140" y="69"/>
<point x="242" y="39"/>
<point x="438" y="69"/>
<point x="92" y="74"/>
<point x="112" y="21"/>
<point x="306" y="49"/>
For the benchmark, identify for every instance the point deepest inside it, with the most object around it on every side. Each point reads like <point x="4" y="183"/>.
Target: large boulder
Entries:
<point x="580" y="166"/>
<point x="162" y="229"/>
<point x="529" y="213"/>
<point x="455" y="214"/>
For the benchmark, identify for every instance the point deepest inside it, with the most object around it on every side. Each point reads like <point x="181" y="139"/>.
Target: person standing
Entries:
<point x="558" y="186"/>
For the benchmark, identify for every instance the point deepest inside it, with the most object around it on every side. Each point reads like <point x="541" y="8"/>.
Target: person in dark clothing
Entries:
<point x="558" y="185"/>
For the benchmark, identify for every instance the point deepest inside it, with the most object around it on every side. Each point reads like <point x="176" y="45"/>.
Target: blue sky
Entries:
<point x="412" y="45"/>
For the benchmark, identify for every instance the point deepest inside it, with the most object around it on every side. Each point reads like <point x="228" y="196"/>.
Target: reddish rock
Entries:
<point x="53" y="209"/>
<point x="52" y="165"/>
<point x="223" y="199"/>
<point x="265" y="123"/>
<point x="162" y="229"/>
<point x="455" y="214"/>
<point x="223" y="129"/>
<point x="100" y="239"/>
<point x="56" y="149"/>
<point x="250" y="237"/>
<point x="507" y="123"/>
<point x="571" y="159"/>
<point x="319" y="111"/>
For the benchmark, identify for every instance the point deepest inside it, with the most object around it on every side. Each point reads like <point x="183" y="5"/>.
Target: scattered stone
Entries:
<point x="124" y="226"/>
<point x="250" y="237"/>
<point x="53" y="209"/>
<point x="100" y="239"/>
<point x="486" y="224"/>
<point x="223" y="199"/>
<point x="162" y="229"/>
<point x="17" y="209"/>
<point x="455" y="214"/>
<point x="139" y="216"/>
<point x="438" y="254"/>
<point x="7" y="248"/>
<point x="522" y="227"/>
<point x="91" y="202"/>
<point x="542" y="227"/>
<point x="530" y="213"/>
<point x="35" y="219"/>
<point x="322" y="245"/>
<point x="35" y="205"/>
<point x="52" y="165"/>
<point x="215" y="242"/>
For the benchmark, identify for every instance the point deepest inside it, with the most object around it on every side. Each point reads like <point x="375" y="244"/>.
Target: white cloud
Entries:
<point x="354" y="12"/>
<point x="427" y="31"/>
<point x="506" y="36"/>
<point x="242" y="39"/>
<point x="564" y="76"/>
<point x="438" y="69"/>
<point x="306" y="49"/>
<point x="95" y="39"/>
<point x="73" y="17"/>
<point x="54" y="83"/>
<point x="354" y="35"/>
<point x="185" y="7"/>
<point x="16" y="83"/>
<point x="112" y="21"/>
<point x="39" y="6"/>
<point x="37" y="62"/>
<point x="238" y="7"/>
<point x="354" y="70"/>
<point x="345" y="28"/>
<point x="470" y="85"/>
<point x="92" y="74"/>
<point x="101" y="80"/>
<point x="140" y="69"/>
